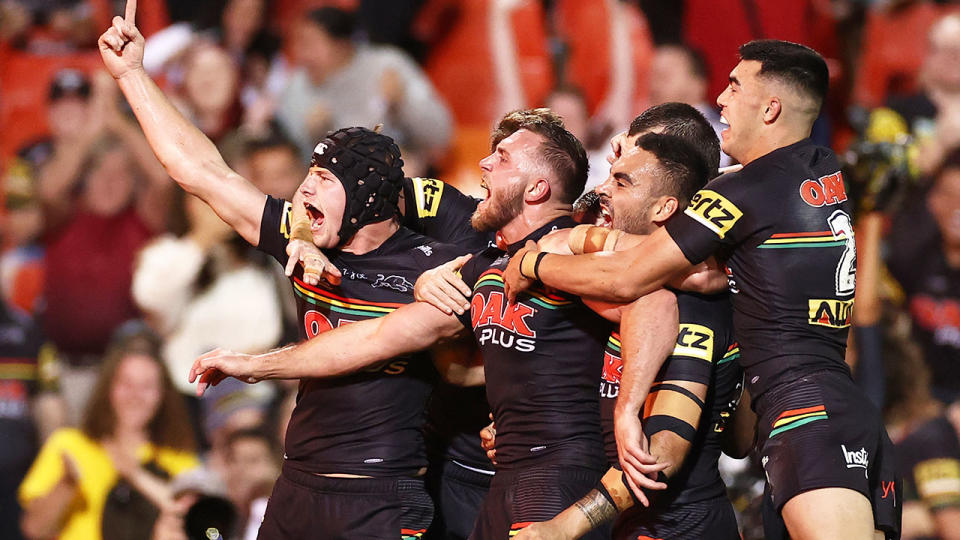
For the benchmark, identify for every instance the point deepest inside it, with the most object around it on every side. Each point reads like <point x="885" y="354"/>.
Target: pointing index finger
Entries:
<point x="131" y="12"/>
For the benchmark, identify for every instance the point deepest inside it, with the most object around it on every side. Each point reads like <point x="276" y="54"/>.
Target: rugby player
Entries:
<point x="354" y="448"/>
<point x="783" y="223"/>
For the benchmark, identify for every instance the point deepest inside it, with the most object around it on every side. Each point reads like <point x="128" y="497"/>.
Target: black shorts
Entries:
<point x="821" y="431"/>
<point x="458" y="493"/>
<point x="711" y="519"/>
<point x="523" y="496"/>
<point x="304" y="505"/>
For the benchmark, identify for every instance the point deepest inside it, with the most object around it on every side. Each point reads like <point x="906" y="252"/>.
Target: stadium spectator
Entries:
<point x="343" y="83"/>
<point x="132" y="440"/>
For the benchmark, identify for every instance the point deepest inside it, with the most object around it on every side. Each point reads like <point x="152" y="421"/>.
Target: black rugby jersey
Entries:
<point x="367" y="423"/>
<point x="441" y="211"/>
<point x="929" y="460"/>
<point x="785" y="224"/>
<point x="542" y="357"/>
<point x="455" y="415"/>
<point x="705" y="353"/>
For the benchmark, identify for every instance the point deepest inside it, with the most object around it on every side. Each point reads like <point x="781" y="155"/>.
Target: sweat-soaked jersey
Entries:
<point x="785" y="225"/>
<point x="542" y="357"/>
<point x="366" y="423"/>
<point x="705" y="353"/>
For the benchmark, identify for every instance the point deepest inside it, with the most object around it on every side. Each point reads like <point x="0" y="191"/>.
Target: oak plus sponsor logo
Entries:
<point x="713" y="211"/>
<point x="856" y="459"/>
<point x="823" y="191"/>
<point x="502" y="324"/>
<point x="831" y="313"/>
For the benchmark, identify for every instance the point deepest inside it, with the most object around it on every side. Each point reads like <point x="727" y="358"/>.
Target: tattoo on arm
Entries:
<point x="596" y="508"/>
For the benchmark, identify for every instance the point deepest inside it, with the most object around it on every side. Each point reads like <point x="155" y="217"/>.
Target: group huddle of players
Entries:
<point x="613" y="347"/>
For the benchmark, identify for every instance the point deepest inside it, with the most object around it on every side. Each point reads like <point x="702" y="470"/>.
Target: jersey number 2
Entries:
<point x="842" y="228"/>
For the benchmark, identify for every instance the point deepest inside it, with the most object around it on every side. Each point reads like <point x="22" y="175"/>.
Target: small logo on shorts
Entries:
<point x="856" y="458"/>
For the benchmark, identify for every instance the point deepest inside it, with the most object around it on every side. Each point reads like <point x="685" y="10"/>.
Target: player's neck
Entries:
<point x="773" y="140"/>
<point x="370" y="237"/>
<point x="531" y="219"/>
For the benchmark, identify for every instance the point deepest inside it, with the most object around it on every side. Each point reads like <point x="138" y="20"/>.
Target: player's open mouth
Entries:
<point x="483" y="186"/>
<point x="316" y="216"/>
<point x="605" y="217"/>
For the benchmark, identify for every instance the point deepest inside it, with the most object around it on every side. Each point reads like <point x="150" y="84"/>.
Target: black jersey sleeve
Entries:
<point x="440" y="211"/>
<point x="716" y="217"/>
<point x="275" y="228"/>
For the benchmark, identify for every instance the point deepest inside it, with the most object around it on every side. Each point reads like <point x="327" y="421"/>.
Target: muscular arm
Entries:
<point x="186" y="153"/>
<point x="411" y="328"/>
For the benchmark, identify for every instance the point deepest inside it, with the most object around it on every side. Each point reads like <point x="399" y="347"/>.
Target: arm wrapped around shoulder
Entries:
<point x="591" y="238"/>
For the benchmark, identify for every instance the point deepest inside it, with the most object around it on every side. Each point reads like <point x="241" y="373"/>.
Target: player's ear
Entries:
<point x="665" y="207"/>
<point x="772" y="110"/>
<point x="538" y="190"/>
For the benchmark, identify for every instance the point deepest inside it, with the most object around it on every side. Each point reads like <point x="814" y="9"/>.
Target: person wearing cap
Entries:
<point x="354" y="448"/>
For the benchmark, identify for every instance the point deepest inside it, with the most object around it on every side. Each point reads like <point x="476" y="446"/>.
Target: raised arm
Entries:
<point x="411" y="328"/>
<point x="187" y="154"/>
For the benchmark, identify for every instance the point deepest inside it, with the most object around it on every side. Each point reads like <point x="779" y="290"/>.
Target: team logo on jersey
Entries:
<point x="694" y="341"/>
<point x="830" y="312"/>
<point x="713" y="211"/>
<point x="427" y="192"/>
<point x="824" y="191"/>
<point x="285" y="221"/>
<point x="397" y="283"/>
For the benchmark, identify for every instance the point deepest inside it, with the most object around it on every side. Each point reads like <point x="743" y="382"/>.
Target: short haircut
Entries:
<point x="340" y="24"/>
<point x="684" y="170"/>
<point x="560" y="151"/>
<point x="683" y="121"/>
<point x="801" y="67"/>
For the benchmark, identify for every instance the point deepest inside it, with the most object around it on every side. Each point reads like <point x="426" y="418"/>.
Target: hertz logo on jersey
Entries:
<point x="694" y="341"/>
<point x="831" y="313"/>
<point x="713" y="211"/>
<point x="427" y="192"/>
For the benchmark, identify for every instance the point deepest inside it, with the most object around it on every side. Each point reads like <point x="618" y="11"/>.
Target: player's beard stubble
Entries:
<point x="498" y="210"/>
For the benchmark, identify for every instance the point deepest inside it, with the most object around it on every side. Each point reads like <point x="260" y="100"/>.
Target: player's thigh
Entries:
<point x="829" y="513"/>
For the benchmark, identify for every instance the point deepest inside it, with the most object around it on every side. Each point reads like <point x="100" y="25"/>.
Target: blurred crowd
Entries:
<point x="113" y="280"/>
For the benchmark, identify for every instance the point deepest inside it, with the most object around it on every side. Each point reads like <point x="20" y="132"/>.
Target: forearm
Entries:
<point x="648" y="333"/>
<point x="622" y="276"/>
<point x="44" y="516"/>
<point x="670" y="447"/>
<point x="184" y="151"/>
<point x="352" y="347"/>
<point x="59" y="175"/>
<point x="504" y="55"/>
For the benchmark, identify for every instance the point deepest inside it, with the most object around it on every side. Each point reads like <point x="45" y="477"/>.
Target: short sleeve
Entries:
<point x="442" y="212"/>
<point x="713" y="219"/>
<point x="275" y="228"/>
<point x="46" y="470"/>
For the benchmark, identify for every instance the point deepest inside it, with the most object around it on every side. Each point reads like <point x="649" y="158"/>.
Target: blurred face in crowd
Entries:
<point x="275" y="170"/>
<point x="210" y="82"/>
<point x="629" y="195"/>
<point x="68" y="116"/>
<point x="942" y="63"/>
<point x="109" y="185"/>
<point x="573" y="110"/>
<point x="252" y="464"/>
<point x="324" y="198"/>
<point x="672" y="78"/>
<point x="136" y="392"/>
<point x="944" y="203"/>
<point x="505" y="175"/>
<point x="741" y="108"/>
<point x="316" y="50"/>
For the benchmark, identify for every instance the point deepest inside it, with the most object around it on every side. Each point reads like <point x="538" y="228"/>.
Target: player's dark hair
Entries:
<point x="684" y="169"/>
<point x="339" y="23"/>
<point x="797" y="65"/>
<point x="683" y="121"/>
<point x="560" y="150"/>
